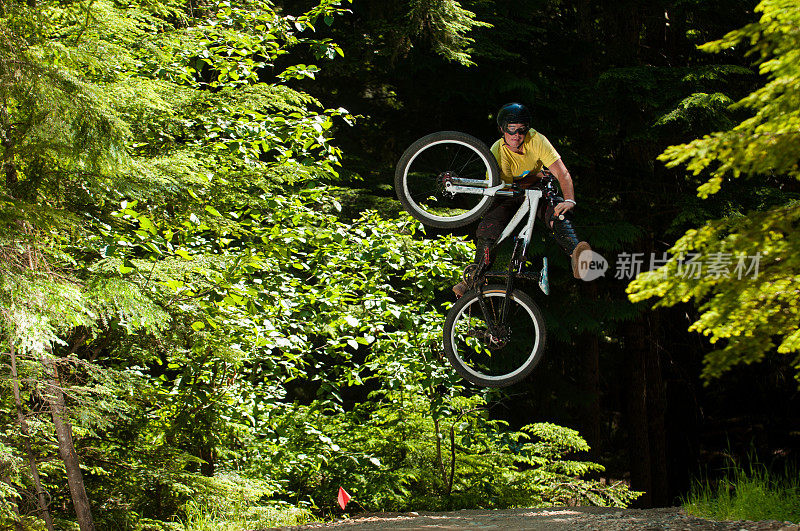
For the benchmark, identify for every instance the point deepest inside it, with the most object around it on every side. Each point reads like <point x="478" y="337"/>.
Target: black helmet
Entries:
<point x="513" y="113"/>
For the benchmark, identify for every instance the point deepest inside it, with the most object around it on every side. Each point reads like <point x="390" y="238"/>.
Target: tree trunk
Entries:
<point x="11" y="176"/>
<point x="591" y="412"/>
<point x="621" y="19"/>
<point x="66" y="448"/>
<point x="208" y="464"/>
<point x="638" y="425"/>
<point x="41" y="497"/>
<point x="591" y="384"/>
<point x="656" y="408"/>
<point x="439" y="460"/>
<point x="588" y="59"/>
<point x="8" y="166"/>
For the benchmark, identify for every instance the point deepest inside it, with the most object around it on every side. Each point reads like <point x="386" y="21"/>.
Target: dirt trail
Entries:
<point x="550" y="519"/>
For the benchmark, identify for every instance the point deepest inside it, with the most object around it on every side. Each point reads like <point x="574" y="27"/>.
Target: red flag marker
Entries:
<point x="343" y="498"/>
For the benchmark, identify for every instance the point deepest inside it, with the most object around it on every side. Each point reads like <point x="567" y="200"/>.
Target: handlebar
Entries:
<point x="545" y="183"/>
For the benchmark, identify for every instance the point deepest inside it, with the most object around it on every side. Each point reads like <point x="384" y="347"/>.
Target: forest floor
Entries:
<point x="554" y="518"/>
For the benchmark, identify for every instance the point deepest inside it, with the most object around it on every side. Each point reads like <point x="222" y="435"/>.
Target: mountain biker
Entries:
<point x="521" y="154"/>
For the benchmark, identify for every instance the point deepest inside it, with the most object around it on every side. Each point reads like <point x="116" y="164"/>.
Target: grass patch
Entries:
<point x="231" y="502"/>
<point x="208" y="518"/>
<point x="754" y="494"/>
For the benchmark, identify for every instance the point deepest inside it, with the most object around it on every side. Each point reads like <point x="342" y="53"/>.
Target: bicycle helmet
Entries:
<point x="513" y="113"/>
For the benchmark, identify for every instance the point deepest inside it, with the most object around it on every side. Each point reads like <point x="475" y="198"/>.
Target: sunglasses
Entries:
<point x="518" y="131"/>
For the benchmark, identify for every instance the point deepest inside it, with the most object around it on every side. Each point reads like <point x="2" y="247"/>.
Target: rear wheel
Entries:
<point x="432" y="161"/>
<point x="488" y="351"/>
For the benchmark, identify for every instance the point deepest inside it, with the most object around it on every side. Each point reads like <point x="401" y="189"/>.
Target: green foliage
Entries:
<point x="753" y="494"/>
<point x="708" y="108"/>
<point x="766" y="142"/>
<point x="238" y="517"/>
<point x="612" y="85"/>
<point x="231" y="502"/>
<point x="397" y="453"/>
<point x="116" y="142"/>
<point x="168" y="240"/>
<point x="750" y="315"/>
<point x="747" y="310"/>
<point x="10" y="468"/>
<point x="444" y="25"/>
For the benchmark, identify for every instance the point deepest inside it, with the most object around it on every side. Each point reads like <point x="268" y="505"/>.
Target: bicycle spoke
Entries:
<point x="464" y="167"/>
<point x="453" y="162"/>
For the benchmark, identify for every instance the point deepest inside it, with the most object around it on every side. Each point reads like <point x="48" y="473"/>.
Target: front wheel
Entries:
<point x="488" y="350"/>
<point x="434" y="160"/>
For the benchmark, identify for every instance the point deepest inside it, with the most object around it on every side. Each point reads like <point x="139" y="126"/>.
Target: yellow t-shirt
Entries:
<point x="537" y="151"/>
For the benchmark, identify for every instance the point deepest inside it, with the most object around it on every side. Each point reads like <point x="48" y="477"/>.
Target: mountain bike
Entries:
<point x="494" y="335"/>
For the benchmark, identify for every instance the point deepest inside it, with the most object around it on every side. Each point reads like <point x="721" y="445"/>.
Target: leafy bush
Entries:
<point x="398" y="454"/>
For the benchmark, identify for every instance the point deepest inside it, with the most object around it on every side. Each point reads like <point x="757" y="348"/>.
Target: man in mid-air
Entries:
<point x="522" y="153"/>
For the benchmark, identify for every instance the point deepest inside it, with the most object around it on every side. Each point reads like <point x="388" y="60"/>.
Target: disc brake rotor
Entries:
<point x="491" y="341"/>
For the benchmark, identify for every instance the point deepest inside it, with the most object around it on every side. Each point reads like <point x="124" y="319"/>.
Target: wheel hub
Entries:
<point x="500" y="337"/>
<point x="447" y="177"/>
<point x="492" y="341"/>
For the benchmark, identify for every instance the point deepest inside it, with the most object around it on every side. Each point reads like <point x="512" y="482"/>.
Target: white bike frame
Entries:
<point x="528" y="207"/>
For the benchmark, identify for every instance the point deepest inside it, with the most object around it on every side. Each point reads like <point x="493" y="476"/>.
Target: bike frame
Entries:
<point x="528" y="208"/>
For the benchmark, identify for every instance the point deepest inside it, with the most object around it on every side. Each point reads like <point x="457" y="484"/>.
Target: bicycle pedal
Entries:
<point x="544" y="278"/>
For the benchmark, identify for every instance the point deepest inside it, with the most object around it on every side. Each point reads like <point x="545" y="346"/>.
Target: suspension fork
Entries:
<point x="514" y="267"/>
<point x="482" y="267"/>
